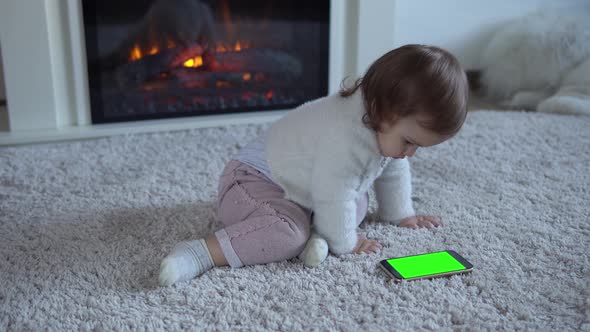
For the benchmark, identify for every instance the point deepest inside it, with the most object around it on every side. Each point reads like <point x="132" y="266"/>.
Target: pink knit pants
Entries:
<point x="261" y="226"/>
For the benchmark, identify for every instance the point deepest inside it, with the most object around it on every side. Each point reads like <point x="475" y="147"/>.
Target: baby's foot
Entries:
<point x="315" y="252"/>
<point x="186" y="261"/>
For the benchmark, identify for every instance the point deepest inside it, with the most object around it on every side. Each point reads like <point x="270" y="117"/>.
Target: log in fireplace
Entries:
<point x="151" y="59"/>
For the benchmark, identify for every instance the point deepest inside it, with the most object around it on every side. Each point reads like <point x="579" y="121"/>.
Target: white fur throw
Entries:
<point x="541" y="61"/>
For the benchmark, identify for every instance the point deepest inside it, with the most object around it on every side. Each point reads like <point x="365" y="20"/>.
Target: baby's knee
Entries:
<point x="295" y="234"/>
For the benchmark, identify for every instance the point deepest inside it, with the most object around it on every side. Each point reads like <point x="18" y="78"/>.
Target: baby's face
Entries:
<point x="404" y="137"/>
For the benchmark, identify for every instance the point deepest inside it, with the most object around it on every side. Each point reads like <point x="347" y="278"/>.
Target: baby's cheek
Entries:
<point x="387" y="150"/>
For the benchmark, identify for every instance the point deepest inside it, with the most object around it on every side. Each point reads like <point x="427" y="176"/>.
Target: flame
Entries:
<point x="194" y="62"/>
<point x="222" y="84"/>
<point x="237" y="47"/>
<point x="227" y="19"/>
<point x="138" y="52"/>
<point x="220" y="48"/>
<point x="135" y="53"/>
<point x="153" y="50"/>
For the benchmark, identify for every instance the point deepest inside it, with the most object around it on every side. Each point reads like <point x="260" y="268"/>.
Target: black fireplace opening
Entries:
<point x="153" y="59"/>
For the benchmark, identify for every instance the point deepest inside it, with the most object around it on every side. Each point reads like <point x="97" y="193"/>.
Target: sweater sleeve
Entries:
<point x="334" y="221"/>
<point x="393" y="190"/>
<point x="334" y="201"/>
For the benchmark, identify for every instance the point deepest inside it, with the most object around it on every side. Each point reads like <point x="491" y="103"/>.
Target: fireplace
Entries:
<point x="152" y="59"/>
<point x="44" y="50"/>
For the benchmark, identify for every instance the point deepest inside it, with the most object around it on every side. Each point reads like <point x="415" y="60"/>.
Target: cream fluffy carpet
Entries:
<point x="84" y="225"/>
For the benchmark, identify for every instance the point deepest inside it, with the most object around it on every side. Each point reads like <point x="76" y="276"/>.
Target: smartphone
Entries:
<point x="426" y="266"/>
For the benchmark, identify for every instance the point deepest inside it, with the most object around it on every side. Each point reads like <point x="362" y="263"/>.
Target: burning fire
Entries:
<point x="194" y="62"/>
<point x="237" y="47"/>
<point x="137" y="52"/>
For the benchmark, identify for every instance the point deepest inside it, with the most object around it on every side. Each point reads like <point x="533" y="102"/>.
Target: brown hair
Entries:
<point x="414" y="79"/>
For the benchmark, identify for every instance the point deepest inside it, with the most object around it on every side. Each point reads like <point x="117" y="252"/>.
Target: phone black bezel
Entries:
<point x="397" y="275"/>
<point x="461" y="259"/>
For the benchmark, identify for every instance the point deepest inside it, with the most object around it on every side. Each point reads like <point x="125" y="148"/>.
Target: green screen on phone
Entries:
<point x="425" y="264"/>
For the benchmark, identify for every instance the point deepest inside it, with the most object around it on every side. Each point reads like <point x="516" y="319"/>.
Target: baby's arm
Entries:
<point x="394" y="196"/>
<point x="335" y="222"/>
<point x="334" y="201"/>
<point x="393" y="190"/>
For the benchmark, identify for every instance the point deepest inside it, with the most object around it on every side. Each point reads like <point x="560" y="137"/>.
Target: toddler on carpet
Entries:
<point x="301" y="188"/>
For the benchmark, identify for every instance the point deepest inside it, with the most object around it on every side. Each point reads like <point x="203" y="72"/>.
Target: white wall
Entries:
<point x="375" y="31"/>
<point x="361" y="31"/>
<point x="461" y="26"/>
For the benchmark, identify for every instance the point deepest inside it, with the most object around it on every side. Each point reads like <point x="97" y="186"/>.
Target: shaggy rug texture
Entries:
<point x="84" y="225"/>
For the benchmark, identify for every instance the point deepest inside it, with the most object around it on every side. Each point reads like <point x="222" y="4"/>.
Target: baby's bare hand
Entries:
<point x="366" y="246"/>
<point x="421" y="221"/>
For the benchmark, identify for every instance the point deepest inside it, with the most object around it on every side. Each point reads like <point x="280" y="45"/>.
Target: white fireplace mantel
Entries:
<point x="46" y="79"/>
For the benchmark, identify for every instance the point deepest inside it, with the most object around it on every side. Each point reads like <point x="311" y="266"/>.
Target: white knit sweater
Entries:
<point x="324" y="157"/>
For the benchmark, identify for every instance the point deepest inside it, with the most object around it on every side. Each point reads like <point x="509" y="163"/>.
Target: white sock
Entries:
<point x="315" y="252"/>
<point x="186" y="261"/>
